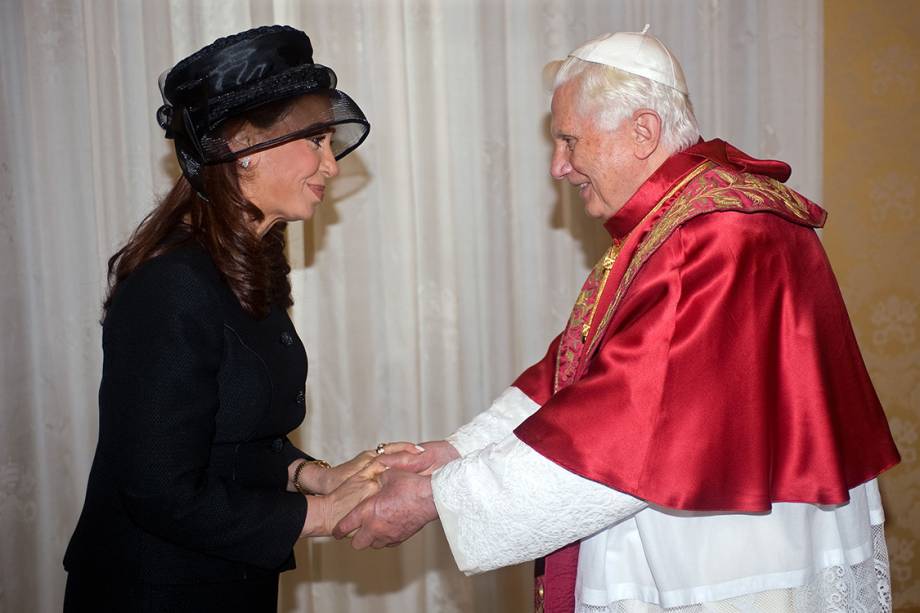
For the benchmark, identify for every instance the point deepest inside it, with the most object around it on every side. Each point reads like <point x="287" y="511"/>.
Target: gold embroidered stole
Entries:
<point x="707" y="188"/>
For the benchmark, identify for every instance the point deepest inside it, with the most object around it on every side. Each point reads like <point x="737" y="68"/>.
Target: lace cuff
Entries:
<point x="507" y="504"/>
<point x="495" y="423"/>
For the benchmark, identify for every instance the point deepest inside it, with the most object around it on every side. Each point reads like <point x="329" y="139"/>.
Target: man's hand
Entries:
<point x="325" y="511"/>
<point x="403" y="506"/>
<point x="435" y="455"/>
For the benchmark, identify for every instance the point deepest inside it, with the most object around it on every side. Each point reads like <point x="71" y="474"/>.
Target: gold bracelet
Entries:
<point x="297" y="486"/>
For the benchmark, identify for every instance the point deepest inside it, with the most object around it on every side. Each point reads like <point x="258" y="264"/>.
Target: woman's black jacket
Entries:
<point x="196" y="401"/>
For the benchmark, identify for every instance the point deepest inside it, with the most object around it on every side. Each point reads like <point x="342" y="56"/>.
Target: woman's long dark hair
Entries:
<point x="256" y="269"/>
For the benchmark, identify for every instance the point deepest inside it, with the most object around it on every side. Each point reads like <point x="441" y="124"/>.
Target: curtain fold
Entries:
<point x="443" y="261"/>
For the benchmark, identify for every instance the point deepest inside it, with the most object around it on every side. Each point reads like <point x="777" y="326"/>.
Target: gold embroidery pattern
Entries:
<point x="607" y="263"/>
<point x="758" y="189"/>
<point x="575" y="334"/>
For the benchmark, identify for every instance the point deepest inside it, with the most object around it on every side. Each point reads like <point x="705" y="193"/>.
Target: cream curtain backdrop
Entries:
<point x="441" y="265"/>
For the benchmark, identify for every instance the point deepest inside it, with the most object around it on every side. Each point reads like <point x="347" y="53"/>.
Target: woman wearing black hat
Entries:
<point x="196" y="495"/>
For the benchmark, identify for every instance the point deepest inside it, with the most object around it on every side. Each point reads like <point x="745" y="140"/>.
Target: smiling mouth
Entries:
<point x="583" y="187"/>
<point x="319" y="190"/>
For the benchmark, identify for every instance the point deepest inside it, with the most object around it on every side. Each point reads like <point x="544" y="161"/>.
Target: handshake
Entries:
<point x="379" y="498"/>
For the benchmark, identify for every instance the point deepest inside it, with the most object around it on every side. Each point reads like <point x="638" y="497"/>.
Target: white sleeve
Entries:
<point x="495" y="423"/>
<point x="507" y="504"/>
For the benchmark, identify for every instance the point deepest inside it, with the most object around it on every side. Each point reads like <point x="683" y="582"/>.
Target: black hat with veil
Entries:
<point x="237" y="75"/>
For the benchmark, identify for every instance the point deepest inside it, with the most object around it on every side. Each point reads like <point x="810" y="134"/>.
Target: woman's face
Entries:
<point x="287" y="182"/>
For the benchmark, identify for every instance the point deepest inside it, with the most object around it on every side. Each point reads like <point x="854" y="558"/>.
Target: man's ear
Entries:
<point x="646" y="132"/>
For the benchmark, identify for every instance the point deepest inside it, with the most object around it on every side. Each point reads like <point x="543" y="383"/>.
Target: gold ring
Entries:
<point x="380" y="448"/>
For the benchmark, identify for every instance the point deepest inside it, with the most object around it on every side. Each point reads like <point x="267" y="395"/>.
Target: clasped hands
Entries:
<point x="380" y="499"/>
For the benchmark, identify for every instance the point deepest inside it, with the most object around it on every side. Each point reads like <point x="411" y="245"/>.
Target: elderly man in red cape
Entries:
<point x="703" y="434"/>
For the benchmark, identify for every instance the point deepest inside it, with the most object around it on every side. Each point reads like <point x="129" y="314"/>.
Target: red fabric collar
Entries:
<point x="676" y="167"/>
<point x="725" y="154"/>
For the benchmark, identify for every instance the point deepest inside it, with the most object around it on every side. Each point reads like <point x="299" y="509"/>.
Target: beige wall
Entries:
<point x="872" y="191"/>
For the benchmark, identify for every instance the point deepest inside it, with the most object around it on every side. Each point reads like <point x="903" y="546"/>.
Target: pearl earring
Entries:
<point x="245" y="162"/>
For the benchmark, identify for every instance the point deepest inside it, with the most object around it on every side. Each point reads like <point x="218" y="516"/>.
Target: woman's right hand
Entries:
<point x="325" y="511"/>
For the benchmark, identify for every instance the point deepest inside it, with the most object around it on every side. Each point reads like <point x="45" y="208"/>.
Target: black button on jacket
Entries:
<point x="196" y="401"/>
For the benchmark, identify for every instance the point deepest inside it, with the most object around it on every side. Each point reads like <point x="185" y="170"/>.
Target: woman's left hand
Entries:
<point x="324" y="480"/>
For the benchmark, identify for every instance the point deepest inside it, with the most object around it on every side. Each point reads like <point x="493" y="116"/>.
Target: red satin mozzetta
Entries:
<point x="726" y="375"/>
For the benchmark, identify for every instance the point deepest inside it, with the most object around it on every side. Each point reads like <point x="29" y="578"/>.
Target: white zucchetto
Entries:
<point x="637" y="53"/>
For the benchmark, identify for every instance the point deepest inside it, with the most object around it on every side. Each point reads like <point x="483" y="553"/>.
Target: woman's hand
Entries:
<point x="324" y="512"/>
<point x="320" y="480"/>
<point x="433" y="456"/>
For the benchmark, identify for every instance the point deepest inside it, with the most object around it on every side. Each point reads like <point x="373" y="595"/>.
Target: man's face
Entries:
<point x="601" y="163"/>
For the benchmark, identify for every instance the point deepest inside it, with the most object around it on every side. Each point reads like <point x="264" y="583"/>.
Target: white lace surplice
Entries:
<point x="503" y="503"/>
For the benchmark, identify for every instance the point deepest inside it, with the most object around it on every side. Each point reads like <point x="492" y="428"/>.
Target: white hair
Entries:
<point x="611" y="95"/>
